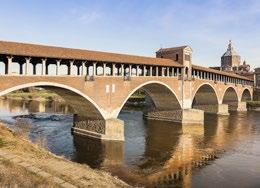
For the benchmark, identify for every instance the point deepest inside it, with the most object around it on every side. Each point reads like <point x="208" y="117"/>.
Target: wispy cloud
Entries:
<point x="85" y="15"/>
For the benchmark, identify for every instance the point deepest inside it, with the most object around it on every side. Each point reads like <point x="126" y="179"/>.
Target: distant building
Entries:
<point x="257" y="84"/>
<point x="257" y="77"/>
<point x="231" y="62"/>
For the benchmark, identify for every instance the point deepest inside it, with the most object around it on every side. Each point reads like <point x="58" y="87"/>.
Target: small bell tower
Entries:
<point x="181" y="55"/>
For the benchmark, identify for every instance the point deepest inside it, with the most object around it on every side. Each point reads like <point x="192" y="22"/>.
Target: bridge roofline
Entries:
<point x="44" y="51"/>
<point x="197" y="67"/>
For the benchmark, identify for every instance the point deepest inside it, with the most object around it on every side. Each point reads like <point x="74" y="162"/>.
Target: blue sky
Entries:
<point x="137" y="26"/>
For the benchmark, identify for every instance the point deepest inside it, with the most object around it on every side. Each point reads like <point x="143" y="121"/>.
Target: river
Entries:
<point x="224" y="152"/>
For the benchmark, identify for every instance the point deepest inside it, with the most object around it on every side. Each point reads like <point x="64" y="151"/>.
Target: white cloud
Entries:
<point x="85" y="15"/>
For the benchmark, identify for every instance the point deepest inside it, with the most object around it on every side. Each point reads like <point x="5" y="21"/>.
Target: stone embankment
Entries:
<point x="33" y="161"/>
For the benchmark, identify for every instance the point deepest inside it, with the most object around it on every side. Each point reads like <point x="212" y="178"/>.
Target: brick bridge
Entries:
<point x="98" y="84"/>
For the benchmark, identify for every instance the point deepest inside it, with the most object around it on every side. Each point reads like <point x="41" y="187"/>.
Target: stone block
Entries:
<point x="114" y="130"/>
<point x="192" y="116"/>
<point x="241" y="107"/>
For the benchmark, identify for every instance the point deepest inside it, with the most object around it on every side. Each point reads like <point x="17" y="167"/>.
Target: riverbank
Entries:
<point x="33" y="94"/>
<point x="24" y="164"/>
<point x="253" y="105"/>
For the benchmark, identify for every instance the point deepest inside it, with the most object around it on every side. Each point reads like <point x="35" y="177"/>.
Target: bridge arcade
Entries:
<point x="98" y="84"/>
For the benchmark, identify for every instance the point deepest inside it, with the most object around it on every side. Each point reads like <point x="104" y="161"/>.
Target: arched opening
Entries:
<point x="145" y="138"/>
<point x="49" y="121"/>
<point x="73" y="69"/>
<point x="38" y="69"/>
<point x="15" y="68"/>
<point x="246" y="96"/>
<point x="64" y="69"/>
<point x="153" y="96"/>
<point x="230" y="98"/>
<point x="134" y="70"/>
<point x="100" y="70"/>
<point x="52" y="69"/>
<point x="205" y="99"/>
<point x="108" y="70"/>
<point x="82" y="105"/>
<point x="3" y="61"/>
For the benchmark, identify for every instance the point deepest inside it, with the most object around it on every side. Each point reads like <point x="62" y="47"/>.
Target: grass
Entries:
<point x="34" y="94"/>
<point x="12" y="175"/>
<point x="15" y="176"/>
<point x="2" y="143"/>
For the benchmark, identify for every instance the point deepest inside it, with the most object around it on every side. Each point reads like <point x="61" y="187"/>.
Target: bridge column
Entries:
<point x="144" y="70"/>
<point x="27" y="62"/>
<point x="104" y="69"/>
<point x="109" y="129"/>
<point x="94" y="69"/>
<point x="83" y="68"/>
<point x="151" y="70"/>
<point x="44" y="66"/>
<point x="130" y="70"/>
<point x="157" y="71"/>
<point x="114" y="69"/>
<point x="122" y="70"/>
<point x="8" y="65"/>
<point x="137" y="70"/>
<point x="70" y="67"/>
<point x="57" y="66"/>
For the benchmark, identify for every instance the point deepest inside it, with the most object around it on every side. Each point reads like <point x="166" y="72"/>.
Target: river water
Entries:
<point x="224" y="152"/>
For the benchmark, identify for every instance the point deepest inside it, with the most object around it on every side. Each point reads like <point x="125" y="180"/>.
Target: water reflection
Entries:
<point x="29" y="106"/>
<point x="98" y="153"/>
<point x="155" y="153"/>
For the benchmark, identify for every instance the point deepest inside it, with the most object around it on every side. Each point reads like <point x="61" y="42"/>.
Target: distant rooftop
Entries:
<point x="173" y="48"/>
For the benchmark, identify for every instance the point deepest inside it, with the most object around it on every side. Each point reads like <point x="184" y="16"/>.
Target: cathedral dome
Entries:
<point x="230" y="51"/>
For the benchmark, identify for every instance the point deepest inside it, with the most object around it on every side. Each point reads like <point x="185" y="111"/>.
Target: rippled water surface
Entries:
<point x="225" y="152"/>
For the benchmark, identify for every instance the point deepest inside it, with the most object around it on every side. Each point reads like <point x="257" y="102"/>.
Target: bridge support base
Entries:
<point x="186" y="116"/>
<point x="222" y="109"/>
<point x="110" y="129"/>
<point x="219" y="109"/>
<point x="241" y="107"/>
<point x="191" y="116"/>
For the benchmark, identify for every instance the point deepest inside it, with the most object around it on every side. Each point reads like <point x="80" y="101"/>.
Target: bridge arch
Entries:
<point x="162" y="95"/>
<point x="205" y="88"/>
<point x="246" y="95"/>
<point x="230" y="97"/>
<point x="80" y="104"/>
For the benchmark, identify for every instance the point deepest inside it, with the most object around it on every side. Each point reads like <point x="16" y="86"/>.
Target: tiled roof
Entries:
<point x="33" y="50"/>
<point x="173" y="48"/>
<point x="197" y="67"/>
